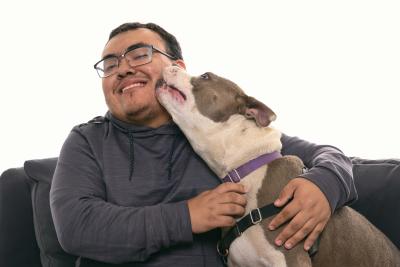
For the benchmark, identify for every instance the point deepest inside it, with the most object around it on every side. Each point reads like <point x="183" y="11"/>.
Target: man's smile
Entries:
<point x="129" y="85"/>
<point x="128" y="88"/>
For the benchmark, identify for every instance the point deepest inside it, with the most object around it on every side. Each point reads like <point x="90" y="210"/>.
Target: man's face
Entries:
<point x="130" y="93"/>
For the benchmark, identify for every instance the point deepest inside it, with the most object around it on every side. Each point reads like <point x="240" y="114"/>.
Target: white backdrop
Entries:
<point x="330" y="70"/>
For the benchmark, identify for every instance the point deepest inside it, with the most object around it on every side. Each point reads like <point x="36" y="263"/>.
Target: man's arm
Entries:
<point x="89" y="226"/>
<point x="328" y="167"/>
<point x="327" y="185"/>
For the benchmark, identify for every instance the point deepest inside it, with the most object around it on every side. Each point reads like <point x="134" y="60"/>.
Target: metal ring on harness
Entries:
<point x="226" y="252"/>
<point x="257" y="215"/>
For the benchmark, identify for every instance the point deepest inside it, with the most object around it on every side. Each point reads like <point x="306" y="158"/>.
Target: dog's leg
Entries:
<point x="278" y="174"/>
<point x="252" y="249"/>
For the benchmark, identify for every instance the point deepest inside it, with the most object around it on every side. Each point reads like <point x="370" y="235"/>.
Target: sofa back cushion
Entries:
<point x="378" y="188"/>
<point x="51" y="252"/>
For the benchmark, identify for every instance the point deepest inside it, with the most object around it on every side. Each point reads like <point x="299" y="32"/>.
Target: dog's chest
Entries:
<point x="253" y="248"/>
<point x="254" y="182"/>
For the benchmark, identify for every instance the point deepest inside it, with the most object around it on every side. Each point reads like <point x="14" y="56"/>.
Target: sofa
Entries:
<point x="28" y="238"/>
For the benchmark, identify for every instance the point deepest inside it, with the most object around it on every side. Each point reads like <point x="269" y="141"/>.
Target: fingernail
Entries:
<point x="288" y="245"/>
<point x="307" y="248"/>
<point x="271" y="227"/>
<point x="278" y="242"/>
<point x="277" y="202"/>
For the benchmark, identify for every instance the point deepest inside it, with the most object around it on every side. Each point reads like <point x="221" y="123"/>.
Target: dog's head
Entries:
<point x="213" y="97"/>
<point x="217" y="117"/>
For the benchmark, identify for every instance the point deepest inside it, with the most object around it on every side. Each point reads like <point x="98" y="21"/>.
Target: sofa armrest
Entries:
<point x="18" y="245"/>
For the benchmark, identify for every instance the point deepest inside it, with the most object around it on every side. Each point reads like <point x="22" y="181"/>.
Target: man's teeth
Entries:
<point x="133" y="85"/>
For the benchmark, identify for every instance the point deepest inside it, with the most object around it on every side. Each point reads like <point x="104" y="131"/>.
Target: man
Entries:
<point x="129" y="188"/>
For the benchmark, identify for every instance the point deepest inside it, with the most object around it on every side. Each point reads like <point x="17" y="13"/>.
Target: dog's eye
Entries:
<point x="205" y="76"/>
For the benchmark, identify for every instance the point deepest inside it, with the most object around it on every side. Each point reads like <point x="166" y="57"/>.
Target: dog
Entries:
<point x="227" y="128"/>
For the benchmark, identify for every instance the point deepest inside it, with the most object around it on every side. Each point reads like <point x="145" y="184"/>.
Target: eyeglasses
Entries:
<point x="135" y="55"/>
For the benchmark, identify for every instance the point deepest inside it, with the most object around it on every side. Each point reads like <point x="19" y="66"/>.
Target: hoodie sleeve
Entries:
<point x="328" y="168"/>
<point x="89" y="226"/>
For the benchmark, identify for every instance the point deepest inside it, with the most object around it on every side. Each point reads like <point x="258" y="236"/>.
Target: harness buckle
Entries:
<point x="236" y="179"/>
<point x="255" y="216"/>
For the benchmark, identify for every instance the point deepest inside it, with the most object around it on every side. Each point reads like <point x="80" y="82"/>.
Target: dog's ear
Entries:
<point x="256" y="110"/>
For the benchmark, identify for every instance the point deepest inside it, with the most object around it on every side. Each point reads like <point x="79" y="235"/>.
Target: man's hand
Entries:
<point x="309" y="209"/>
<point x="217" y="207"/>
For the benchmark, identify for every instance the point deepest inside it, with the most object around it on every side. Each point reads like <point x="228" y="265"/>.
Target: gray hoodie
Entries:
<point x="119" y="192"/>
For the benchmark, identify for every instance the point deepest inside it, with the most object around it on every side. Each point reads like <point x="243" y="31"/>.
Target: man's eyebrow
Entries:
<point x="134" y="46"/>
<point x="131" y="47"/>
<point x="109" y="56"/>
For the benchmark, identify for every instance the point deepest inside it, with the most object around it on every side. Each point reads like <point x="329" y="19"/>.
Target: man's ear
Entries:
<point x="180" y="63"/>
<point x="256" y="110"/>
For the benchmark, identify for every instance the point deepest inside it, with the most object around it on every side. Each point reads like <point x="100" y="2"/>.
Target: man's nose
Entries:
<point x="124" y="68"/>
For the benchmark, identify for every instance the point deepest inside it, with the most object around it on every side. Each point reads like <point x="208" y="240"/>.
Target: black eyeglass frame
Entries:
<point x="129" y="49"/>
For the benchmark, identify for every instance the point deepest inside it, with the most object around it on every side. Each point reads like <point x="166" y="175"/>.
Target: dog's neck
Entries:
<point x="230" y="144"/>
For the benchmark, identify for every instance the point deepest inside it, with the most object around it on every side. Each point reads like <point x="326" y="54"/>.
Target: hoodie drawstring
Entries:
<point x="143" y="131"/>
<point x="131" y="155"/>
<point x="170" y="157"/>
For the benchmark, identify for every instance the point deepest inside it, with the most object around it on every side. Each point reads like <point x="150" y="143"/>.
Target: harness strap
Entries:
<point x="254" y="217"/>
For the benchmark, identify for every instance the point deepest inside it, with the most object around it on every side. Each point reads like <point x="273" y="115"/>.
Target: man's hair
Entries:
<point x="171" y="44"/>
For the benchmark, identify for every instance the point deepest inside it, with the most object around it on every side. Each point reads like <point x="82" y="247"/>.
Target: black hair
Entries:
<point x="171" y="44"/>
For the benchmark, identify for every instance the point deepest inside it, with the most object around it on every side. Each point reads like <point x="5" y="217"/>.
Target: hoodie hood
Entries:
<point x="142" y="131"/>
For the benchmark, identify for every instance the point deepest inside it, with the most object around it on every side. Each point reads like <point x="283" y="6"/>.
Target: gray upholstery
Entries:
<point x="378" y="187"/>
<point x="377" y="183"/>
<point x="18" y="247"/>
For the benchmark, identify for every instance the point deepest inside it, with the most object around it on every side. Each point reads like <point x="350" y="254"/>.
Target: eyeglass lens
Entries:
<point x="135" y="57"/>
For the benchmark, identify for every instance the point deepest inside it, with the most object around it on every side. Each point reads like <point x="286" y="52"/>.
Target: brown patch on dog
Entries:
<point x="218" y="99"/>
<point x="279" y="173"/>
<point x="337" y="246"/>
<point x="349" y="234"/>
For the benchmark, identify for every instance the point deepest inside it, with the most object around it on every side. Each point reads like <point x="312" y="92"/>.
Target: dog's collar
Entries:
<point x="239" y="173"/>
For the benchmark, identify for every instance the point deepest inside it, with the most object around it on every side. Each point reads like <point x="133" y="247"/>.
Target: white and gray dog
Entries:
<point x="227" y="128"/>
